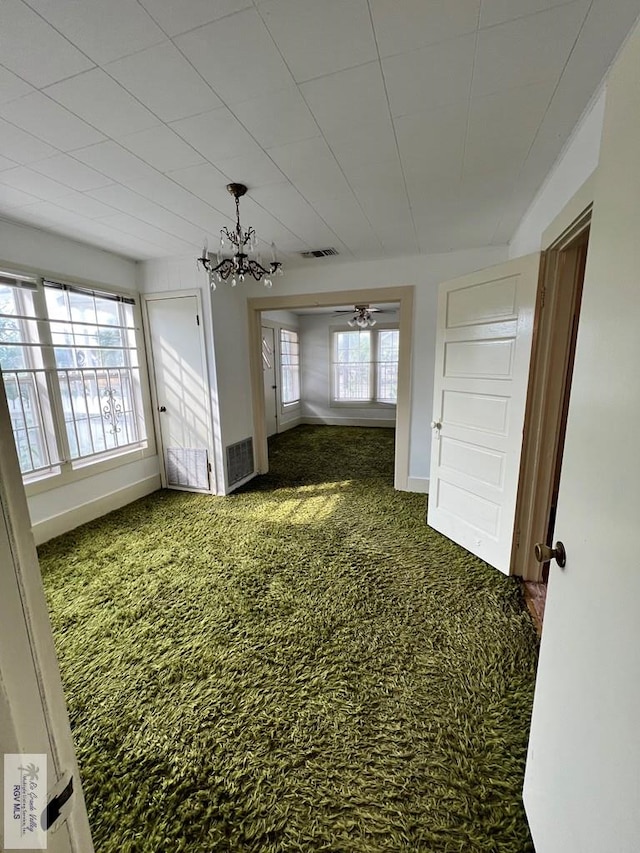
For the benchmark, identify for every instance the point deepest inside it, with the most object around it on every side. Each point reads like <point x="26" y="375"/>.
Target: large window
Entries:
<point x="70" y="366"/>
<point x="289" y="367"/>
<point x="365" y="366"/>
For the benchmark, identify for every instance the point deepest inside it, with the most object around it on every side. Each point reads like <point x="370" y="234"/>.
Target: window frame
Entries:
<point x="67" y="470"/>
<point x="287" y="407"/>
<point x="372" y="402"/>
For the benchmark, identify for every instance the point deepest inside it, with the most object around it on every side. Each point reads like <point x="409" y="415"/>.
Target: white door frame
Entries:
<point x="37" y="720"/>
<point x="177" y="294"/>
<point x="402" y="295"/>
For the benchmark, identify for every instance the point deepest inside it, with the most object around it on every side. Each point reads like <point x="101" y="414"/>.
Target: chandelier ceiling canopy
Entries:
<point x="246" y="259"/>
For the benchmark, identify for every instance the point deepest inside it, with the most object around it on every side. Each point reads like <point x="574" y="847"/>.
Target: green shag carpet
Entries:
<point x="302" y="666"/>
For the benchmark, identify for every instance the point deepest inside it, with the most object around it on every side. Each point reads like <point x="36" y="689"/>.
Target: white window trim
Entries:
<point x="66" y="472"/>
<point x="357" y="404"/>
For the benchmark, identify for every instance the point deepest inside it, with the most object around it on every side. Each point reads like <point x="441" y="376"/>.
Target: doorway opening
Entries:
<point x="555" y="333"/>
<point x="400" y="297"/>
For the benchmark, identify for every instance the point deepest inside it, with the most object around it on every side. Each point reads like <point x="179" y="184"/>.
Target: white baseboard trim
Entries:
<point x="358" y="422"/>
<point x="55" y="525"/>
<point x="418" y="484"/>
<point x="283" y="426"/>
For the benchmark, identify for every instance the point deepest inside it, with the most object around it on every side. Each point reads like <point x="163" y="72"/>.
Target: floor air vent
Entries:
<point x="239" y="461"/>
<point x="319" y="253"/>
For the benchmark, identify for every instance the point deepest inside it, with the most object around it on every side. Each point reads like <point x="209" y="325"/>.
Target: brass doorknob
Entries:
<point x="545" y="553"/>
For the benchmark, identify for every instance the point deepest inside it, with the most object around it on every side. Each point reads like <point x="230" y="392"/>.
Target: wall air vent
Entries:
<point x="239" y="461"/>
<point x="319" y="253"/>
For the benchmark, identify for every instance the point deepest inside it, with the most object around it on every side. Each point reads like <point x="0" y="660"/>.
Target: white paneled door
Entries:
<point x="181" y="390"/>
<point x="483" y="349"/>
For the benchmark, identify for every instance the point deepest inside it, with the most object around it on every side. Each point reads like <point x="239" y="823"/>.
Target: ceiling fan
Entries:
<point x="362" y="315"/>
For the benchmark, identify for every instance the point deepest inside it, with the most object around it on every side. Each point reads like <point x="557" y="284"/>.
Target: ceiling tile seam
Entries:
<point x="553" y="94"/>
<point x="469" y="100"/>
<point x="395" y="134"/>
<point x="198" y="26"/>
<point x="526" y="15"/>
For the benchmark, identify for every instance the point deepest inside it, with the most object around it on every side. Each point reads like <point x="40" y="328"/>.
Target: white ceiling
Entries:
<point x="378" y="127"/>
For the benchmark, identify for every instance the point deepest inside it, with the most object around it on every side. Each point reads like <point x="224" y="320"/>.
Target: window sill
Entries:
<point x="360" y="404"/>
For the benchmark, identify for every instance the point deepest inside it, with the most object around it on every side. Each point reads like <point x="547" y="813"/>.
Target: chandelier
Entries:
<point x="362" y="317"/>
<point x="246" y="260"/>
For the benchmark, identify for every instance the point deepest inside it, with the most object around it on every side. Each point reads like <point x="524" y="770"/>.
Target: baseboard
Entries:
<point x="418" y="484"/>
<point x="55" y="525"/>
<point x="290" y="424"/>
<point x="357" y="422"/>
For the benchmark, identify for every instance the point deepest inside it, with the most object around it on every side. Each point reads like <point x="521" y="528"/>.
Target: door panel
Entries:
<point x="582" y="782"/>
<point x="270" y="380"/>
<point x="483" y="348"/>
<point x="181" y="391"/>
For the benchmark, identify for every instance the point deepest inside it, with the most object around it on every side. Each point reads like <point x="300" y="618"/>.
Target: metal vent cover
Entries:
<point x="319" y="253"/>
<point x="239" y="460"/>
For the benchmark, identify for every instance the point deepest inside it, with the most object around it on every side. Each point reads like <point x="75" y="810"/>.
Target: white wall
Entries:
<point x="315" y="338"/>
<point x="229" y="342"/>
<point x="576" y="163"/>
<point x="63" y="507"/>
<point x="582" y="785"/>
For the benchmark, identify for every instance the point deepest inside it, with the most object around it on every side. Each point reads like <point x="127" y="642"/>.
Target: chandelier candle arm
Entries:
<point x="240" y="264"/>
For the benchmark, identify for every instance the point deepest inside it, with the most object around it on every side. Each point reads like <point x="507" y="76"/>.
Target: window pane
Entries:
<point x="387" y="368"/>
<point x="289" y="366"/>
<point x="352" y="367"/>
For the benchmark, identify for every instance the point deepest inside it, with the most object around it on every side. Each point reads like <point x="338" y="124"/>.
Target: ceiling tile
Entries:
<point x="168" y="193"/>
<point x="98" y="99"/>
<point x="161" y="148"/>
<point x="311" y="166"/>
<point x="364" y="145"/>
<point x="430" y="77"/>
<point x="21" y="146"/>
<point x="216" y="134"/>
<point x="6" y="163"/>
<point x="130" y="202"/>
<point x="320" y="38"/>
<point x="295" y="213"/>
<point x="529" y="50"/>
<point x="500" y="11"/>
<point x="403" y="25"/>
<point x="133" y="226"/>
<point x="44" y="118"/>
<point x="165" y="81"/>
<point x="115" y="162"/>
<point x="10" y="197"/>
<point x="236" y="75"/>
<point x="22" y="178"/>
<point x="84" y="205"/>
<point x="207" y="183"/>
<point x="345" y="217"/>
<point x="176" y="18"/>
<point x="282" y="117"/>
<point x="434" y="139"/>
<point x="502" y="126"/>
<point x="104" y="31"/>
<point x="11" y="86"/>
<point x="347" y="99"/>
<point x="254" y="170"/>
<point x="33" y="49"/>
<point x="70" y="172"/>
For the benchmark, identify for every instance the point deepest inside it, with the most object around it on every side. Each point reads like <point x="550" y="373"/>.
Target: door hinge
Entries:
<point x="209" y="467"/>
<point x="543" y="294"/>
<point x="517" y="538"/>
<point x="55" y="805"/>
<point x="198" y="319"/>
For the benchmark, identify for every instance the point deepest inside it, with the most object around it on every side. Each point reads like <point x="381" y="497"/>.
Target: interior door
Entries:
<point x="483" y="349"/>
<point x="181" y="390"/>
<point x="269" y="374"/>
<point x="582" y="782"/>
<point x="33" y="714"/>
